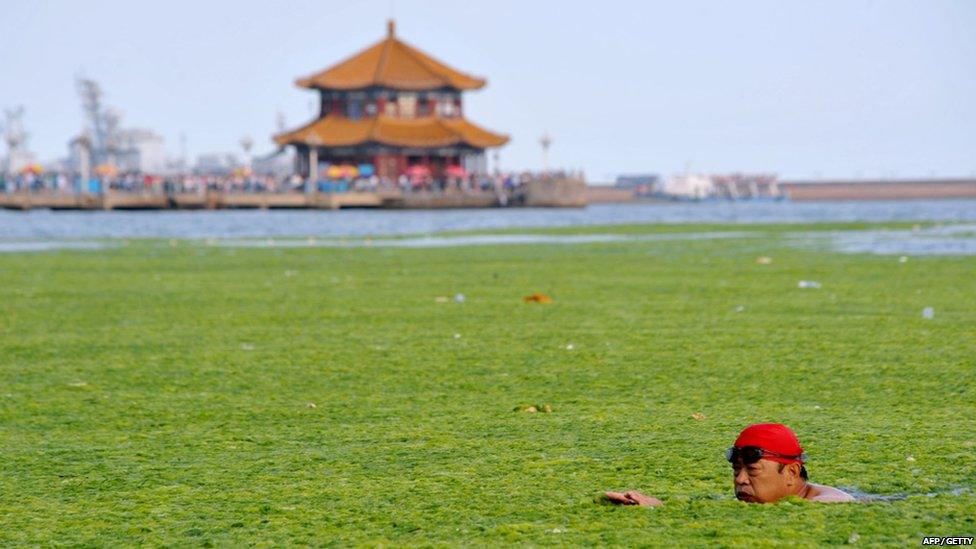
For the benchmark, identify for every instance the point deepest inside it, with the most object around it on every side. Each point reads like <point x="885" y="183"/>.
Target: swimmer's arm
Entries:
<point x="632" y="497"/>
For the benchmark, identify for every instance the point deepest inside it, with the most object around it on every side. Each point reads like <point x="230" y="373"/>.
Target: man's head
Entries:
<point x="767" y="463"/>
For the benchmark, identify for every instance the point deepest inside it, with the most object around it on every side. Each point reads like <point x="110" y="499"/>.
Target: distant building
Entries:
<point x="632" y="181"/>
<point x="216" y="163"/>
<point x="280" y="163"/>
<point x="641" y="184"/>
<point x="134" y="150"/>
<point x="140" y="150"/>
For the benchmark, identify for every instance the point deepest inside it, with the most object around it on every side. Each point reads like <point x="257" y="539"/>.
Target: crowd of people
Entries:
<point x="500" y="183"/>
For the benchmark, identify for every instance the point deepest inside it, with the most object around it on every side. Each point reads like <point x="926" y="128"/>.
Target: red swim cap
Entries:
<point x="772" y="437"/>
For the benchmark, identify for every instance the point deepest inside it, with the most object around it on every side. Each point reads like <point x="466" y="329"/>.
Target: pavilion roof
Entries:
<point x="393" y="64"/>
<point x="424" y="132"/>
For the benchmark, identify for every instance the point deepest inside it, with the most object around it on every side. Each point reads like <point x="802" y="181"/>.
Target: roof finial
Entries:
<point x="390" y="28"/>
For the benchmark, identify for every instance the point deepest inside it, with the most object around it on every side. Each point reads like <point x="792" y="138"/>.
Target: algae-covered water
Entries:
<point x="194" y="393"/>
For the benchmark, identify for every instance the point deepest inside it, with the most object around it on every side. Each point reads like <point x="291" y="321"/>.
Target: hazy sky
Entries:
<point x="832" y="88"/>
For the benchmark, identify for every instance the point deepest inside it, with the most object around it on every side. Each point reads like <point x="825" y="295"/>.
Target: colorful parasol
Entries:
<point x="418" y="171"/>
<point x="349" y="171"/>
<point x="334" y="171"/>
<point x="455" y="171"/>
<point x="35" y="169"/>
<point x="106" y="170"/>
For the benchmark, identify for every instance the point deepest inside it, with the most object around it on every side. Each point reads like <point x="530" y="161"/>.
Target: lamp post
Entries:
<point x="545" y="141"/>
<point x="246" y="143"/>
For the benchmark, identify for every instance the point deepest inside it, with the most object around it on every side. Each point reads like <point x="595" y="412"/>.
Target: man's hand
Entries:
<point x="632" y="497"/>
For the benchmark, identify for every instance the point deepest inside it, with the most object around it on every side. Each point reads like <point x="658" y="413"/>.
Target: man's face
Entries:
<point x="761" y="482"/>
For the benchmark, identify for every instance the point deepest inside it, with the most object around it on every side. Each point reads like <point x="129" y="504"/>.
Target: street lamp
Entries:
<point x="246" y="144"/>
<point x="545" y="141"/>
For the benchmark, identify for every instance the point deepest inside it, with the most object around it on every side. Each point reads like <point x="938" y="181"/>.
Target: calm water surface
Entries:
<point x="43" y="224"/>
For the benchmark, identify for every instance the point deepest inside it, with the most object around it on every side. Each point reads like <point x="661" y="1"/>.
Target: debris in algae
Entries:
<point x="537" y="298"/>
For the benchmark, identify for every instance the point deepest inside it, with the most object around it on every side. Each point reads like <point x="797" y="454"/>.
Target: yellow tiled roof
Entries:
<point x="394" y="64"/>
<point x="424" y="132"/>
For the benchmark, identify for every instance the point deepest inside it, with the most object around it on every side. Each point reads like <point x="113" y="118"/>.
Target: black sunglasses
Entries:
<point x="752" y="454"/>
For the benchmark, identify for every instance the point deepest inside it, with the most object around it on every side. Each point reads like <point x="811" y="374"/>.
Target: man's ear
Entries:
<point x="792" y="471"/>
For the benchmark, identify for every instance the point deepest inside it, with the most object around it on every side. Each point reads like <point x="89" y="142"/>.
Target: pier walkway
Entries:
<point x="536" y="194"/>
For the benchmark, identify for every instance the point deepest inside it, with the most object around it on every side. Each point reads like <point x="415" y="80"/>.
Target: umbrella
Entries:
<point x="334" y="172"/>
<point x="366" y="170"/>
<point x="418" y="171"/>
<point x="35" y="169"/>
<point x="349" y="171"/>
<point x="107" y="170"/>
<point x="455" y="171"/>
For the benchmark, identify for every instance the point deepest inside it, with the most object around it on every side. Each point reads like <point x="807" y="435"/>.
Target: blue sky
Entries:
<point x="819" y="88"/>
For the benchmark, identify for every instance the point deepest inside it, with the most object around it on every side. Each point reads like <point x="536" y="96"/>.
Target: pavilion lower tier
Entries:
<point x="390" y="162"/>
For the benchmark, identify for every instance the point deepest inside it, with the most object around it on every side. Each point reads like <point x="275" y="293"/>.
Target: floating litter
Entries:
<point x="928" y="313"/>
<point x="740" y="308"/>
<point x="247" y="347"/>
<point x="440" y="299"/>
<point x="457" y="336"/>
<point x="698" y="416"/>
<point x="910" y="458"/>
<point x="809" y="284"/>
<point x="537" y="298"/>
<point x="570" y="347"/>
<point x="459" y="298"/>
<point x="311" y="405"/>
<point x="763" y="260"/>
<point x="903" y="259"/>
<point x="535" y="408"/>
<point x="853" y="538"/>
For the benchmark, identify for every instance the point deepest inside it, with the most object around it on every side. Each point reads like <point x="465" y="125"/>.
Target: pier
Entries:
<point x="558" y="193"/>
<point x="887" y="189"/>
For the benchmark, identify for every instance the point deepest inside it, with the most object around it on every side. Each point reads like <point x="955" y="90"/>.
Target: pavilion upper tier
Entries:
<point x="392" y="64"/>
<point x="393" y="95"/>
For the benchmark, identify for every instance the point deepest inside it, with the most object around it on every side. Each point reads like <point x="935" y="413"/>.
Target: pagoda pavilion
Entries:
<point x="393" y="110"/>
